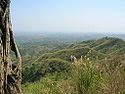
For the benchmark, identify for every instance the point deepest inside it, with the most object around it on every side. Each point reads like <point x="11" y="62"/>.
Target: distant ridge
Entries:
<point x="63" y="36"/>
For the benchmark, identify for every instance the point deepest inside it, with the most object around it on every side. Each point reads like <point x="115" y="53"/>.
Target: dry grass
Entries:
<point x="105" y="77"/>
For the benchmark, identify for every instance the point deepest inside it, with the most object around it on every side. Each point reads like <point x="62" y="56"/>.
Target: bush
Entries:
<point x="87" y="79"/>
<point x="48" y="67"/>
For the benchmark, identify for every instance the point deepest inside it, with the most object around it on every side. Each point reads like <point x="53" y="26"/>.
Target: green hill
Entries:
<point x="61" y="60"/>
<point x="108" y="45"/>
<point x="103" y="77"/>
<point x="66" y="54"/>
<point x="49" y="69"/>
<point x="36" y="67"/>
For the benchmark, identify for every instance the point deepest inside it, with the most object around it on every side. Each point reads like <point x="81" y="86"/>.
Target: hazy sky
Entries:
<point x="68" y="15"/>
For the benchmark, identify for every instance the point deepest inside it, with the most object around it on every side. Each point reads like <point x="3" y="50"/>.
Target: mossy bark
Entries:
<point x="10" y="75"/>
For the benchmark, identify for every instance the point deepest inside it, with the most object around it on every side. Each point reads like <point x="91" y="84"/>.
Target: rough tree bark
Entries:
<point x="10" y="75"/>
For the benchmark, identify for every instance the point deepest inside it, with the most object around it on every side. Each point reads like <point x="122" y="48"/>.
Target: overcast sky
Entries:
<point x="68" y="15"/>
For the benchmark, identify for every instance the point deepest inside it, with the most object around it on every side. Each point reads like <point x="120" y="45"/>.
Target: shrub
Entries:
<point x="48" y="67"/>
<point x="87" y="79"/>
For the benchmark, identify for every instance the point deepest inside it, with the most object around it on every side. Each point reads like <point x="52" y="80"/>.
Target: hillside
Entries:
<point x="49" y="68"/>
<point x="66" y="54"/>
<point x="100" y="77"/>
<point x="106" y="45"/>
<point x="33" y="50"/>
<point x="100" y="48"/>
<point x="59" y="56"/>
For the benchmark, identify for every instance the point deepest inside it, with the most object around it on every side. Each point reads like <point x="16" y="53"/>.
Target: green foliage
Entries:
<point x="113" y="70"/>
<point x="54" y="84"/>
<point x="108" y="45"/>
<point x="40" y="51"/>
<point x="41" y="69"/>
<point x="66" y="54"/>
<point x="53" y="72"/>
<point x="86" y="77"/>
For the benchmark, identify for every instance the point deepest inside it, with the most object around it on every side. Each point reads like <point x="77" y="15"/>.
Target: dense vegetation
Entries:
<point x="84" y="67"/>
<point x="85" y="77"/>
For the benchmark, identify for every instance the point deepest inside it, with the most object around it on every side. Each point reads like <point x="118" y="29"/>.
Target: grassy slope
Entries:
<point x="105" y="77"/>
<point x="101" y="48"/>
<point x="61" y="57"/>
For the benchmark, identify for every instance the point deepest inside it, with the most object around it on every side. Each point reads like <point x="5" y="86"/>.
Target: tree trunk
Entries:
<point x="10" y="75"/>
